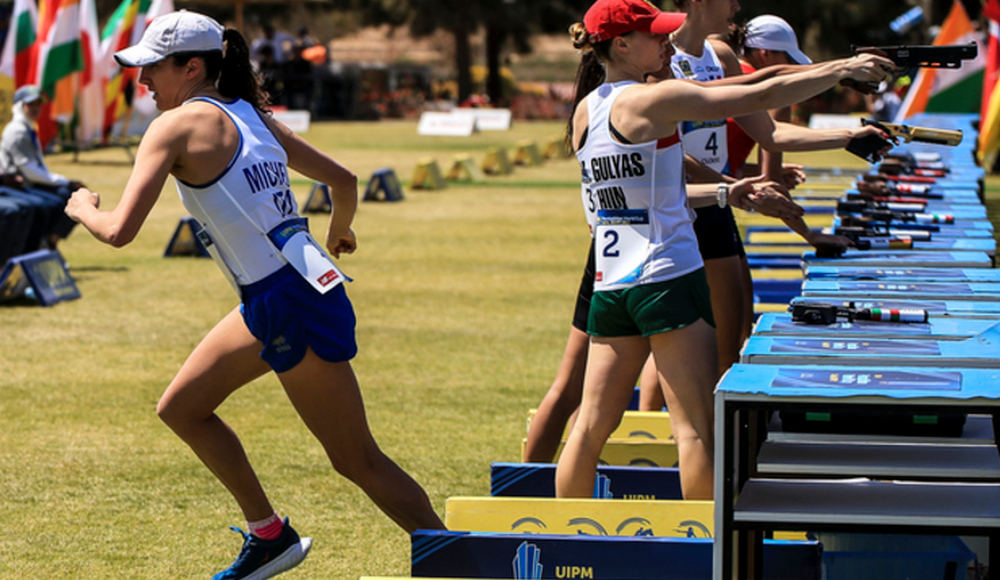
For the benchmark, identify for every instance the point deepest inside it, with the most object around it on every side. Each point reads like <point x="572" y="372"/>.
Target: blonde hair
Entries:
<point x="590" y="74"/>
<point x="581" y="38"/>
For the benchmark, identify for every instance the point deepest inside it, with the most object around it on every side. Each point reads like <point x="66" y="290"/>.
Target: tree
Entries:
<point x="459" y="17"/>
<point x="515" y="22"/>
<point x="828" y="28"/>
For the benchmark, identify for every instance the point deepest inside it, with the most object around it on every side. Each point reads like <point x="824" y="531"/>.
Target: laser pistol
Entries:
<point x="907" y="58"/>
<point x="829" y="313"/>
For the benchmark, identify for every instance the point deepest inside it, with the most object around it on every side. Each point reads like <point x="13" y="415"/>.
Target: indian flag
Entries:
<point x="958" y="90"/>
<point x="60" y="59"/>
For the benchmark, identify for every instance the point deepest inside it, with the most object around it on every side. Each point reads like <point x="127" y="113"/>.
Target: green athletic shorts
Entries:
<point x="650" y="309"/>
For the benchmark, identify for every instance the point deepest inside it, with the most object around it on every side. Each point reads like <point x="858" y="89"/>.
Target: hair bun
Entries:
<point x="581" y="38"/>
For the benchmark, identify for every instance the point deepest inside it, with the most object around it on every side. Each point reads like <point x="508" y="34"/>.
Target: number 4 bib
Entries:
<point x="621" y="243"/>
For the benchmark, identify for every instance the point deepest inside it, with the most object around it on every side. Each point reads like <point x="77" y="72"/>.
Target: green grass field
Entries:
<point x="464" y="298"/>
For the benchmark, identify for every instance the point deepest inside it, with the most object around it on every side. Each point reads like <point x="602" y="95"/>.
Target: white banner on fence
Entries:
<point x="487" y="119"/>
<point x="437" y="123"/>
<point x="297" y="120"/>
<point x="827" y="121"/>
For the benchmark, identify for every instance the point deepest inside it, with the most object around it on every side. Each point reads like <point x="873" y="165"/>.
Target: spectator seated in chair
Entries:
<point x="21" y="160"/>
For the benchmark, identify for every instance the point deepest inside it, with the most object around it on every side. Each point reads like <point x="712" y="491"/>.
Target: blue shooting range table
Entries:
<point x="871" y="289"/>
<point x="980" y="351"/>
<point x="848" y="273"/>
<point x="902" y="259"/>
<point x="936" y="328"/>
<point x="936" y="307"/>
<point x="933" y="501"/>
<point x="779" y="257"/>
<point x="795" y="248"/>
<point x="958" y="225"/>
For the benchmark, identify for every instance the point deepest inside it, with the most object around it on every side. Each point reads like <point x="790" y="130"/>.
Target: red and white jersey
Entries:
<point x="706" y="141"/>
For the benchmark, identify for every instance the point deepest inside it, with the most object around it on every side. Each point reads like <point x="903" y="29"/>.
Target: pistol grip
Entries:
<point x="865" y="88"/>
<point x="867" y="147"/>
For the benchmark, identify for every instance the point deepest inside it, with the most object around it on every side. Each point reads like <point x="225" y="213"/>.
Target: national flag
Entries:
<point x="991" y="11"/>
<point x="90" y="108"/>
<point x="60" y="58"/>
<point x="989" y="127"/>
<point x="18" y="48"/>
<point x="123" y="29"/>
<point x="948" y="90"/>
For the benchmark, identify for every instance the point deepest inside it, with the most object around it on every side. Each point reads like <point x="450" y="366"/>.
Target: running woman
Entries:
<point x="230" y="161"/>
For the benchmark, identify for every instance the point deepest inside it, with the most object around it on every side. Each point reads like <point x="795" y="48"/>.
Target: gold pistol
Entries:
<point x="918" y="134"/>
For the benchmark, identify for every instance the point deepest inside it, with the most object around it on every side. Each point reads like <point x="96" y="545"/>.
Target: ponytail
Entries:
<point x="590" y="74"/>
<point x="237" y="77"/>
<point x="737" y="38"/>
<point x="231" y="71"/>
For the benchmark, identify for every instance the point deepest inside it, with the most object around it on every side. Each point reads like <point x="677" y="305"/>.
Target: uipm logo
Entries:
<point x="527" y="565"/>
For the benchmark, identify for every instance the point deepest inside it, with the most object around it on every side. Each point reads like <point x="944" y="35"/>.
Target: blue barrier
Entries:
<point x="441" y="554"/>
<point x="616" y="482"/>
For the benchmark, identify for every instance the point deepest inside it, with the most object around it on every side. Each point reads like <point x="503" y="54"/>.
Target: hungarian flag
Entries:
<point x="90" y="109"/>
<point x="959" y="90"/>
<point x="60" y="58"/>
<point x="123" y="29"/>
<point x="19" y="48"/>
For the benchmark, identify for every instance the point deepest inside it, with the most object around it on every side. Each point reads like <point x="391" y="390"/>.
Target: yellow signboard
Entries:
<point x="594" y="517"/>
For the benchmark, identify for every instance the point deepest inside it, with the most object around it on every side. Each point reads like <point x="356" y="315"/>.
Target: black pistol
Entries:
<point x="908" y="58"/>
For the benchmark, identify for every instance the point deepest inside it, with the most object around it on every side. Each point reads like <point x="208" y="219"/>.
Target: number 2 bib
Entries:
<point x="621" y="240"/>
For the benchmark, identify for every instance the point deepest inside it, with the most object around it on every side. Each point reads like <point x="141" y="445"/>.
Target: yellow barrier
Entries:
<point x="497" y="162"/>
<point x="813" y="220"/>
<point x="645" y="425"/>
<point x="463" y="168"/>
<point x="527" y="154"/>
<point x="595" y="517"/>
<point x="776" y="250"/>
<point x="763" y="307"/>
<point x="776" y="274"/>
<point x="427" y="175"/>
<point x="557" y="149"/>
<point x="789" y="238"/>
<point x="633" y="452"/>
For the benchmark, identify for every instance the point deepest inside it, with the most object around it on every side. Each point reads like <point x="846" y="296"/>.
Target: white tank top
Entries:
<point x="636" y="202"/>
<point x="251" y="197"/>
<point x="706" y="141"/>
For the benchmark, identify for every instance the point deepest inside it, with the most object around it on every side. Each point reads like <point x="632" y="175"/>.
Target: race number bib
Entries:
<point x="621" y="241"/>
<point x="306" y="256"/>
<point x="706" y="141"/>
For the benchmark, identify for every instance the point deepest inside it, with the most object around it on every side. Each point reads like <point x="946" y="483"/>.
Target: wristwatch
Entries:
<point x="722" y="194"/>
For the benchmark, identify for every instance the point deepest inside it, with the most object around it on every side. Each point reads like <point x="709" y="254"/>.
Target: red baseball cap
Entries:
<point x="607" y="19"/>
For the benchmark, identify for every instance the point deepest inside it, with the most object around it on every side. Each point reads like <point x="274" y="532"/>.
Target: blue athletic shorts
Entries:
<point x="287" y="314"/>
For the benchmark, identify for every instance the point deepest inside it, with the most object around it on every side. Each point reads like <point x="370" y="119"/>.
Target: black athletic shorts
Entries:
<point x="586" y="292"/>
<point x="718" y="236"/>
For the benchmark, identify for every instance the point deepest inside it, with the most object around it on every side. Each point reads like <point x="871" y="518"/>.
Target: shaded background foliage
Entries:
<point x="826" y="28"/>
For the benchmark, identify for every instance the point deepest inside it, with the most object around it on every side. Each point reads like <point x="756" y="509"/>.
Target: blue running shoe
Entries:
<point x="260" y="559"/>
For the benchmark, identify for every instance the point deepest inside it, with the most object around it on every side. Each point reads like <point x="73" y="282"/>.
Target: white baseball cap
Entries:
<point x="28" y="94"/>
<point x="173" y="33"/>
<point x="773" y="33"/>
